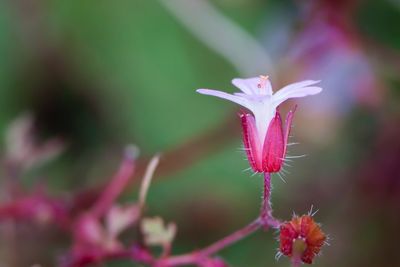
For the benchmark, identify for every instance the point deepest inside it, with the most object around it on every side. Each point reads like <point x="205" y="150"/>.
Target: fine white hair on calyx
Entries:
<point x="297" y="157"/>
<point x="311" y="212"/>
<point x="281" y="177"/>
<point x="278" y="255"/>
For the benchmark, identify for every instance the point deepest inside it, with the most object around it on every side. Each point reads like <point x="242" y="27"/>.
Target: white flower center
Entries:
<point x="263" y="112"/>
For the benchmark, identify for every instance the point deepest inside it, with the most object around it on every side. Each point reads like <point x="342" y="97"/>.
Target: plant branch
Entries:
<point x="296" y="261"/>
<point x="264" y="220"/>
<point x="197" y="256"/>
<point x="144" y="187"/>
<point x="117" y="184"/>
<point x="266" y="209"/>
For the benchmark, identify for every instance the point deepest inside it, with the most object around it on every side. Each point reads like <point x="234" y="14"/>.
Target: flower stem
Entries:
<point x="296" y="261"/>
<point x="266" y="210"/>
<point x="116" y="185"/>
<point x="264" y="220"/>
<point x="197" y="256"/>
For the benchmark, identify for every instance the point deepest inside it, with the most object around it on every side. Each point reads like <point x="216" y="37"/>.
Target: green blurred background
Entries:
<point x="103" y="74"/>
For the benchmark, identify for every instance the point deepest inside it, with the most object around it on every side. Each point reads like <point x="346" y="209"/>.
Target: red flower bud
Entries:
<point x="302" y="238"/>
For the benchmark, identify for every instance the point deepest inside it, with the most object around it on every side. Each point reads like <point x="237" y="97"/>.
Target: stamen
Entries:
<point x="263" y="81"/>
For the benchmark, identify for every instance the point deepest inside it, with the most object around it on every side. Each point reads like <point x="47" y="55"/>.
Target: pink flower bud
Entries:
<point x="268" y="157"/>
<point x="264" y="138"/>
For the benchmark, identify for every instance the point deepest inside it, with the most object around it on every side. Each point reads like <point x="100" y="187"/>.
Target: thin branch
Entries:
<point x="296" y="261"/>
<point x="197" y="256"/>
<point x="266" y="210"/>
<point x="147" y="180"/>
<point x="117" y="184"/>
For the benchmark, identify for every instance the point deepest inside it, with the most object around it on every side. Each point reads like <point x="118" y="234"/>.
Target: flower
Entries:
<point x="301" y="238"/>
<point x="263" y="136"/>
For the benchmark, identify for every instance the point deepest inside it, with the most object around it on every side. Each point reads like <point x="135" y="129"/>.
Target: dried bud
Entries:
<point x="23" y="148"/>
<point x="156" y="233"/>
<point x="90" y="233"/>
<point x="301" y="238"/>
<point x="119" y="218"/>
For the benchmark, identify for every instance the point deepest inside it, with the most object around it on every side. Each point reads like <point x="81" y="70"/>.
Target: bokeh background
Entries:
<point x="104" y="74"/>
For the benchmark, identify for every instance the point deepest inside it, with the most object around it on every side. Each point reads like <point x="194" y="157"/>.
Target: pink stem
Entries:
<point x="296" y="261"/>
<point x="264" y="220"/>
<point x="197" y="256"/>
<point x="266" y="210"/>
<point x="88" y="259"/>
<point x="116" y="185"/>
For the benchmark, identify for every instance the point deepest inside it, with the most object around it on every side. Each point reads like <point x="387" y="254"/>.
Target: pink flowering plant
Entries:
<point x="96" y="227"/>
<point x="264" y="138"/>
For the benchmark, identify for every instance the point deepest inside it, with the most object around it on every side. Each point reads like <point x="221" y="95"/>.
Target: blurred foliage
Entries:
<point x="371" y="23"/>
<point x="129" y="74"/>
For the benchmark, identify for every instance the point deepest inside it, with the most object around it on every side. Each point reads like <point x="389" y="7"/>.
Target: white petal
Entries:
<point x="250" y="86"/>
<point x="241" y="94"/>
<point x="237" y="99"/>
<point x="294" y="90"/>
